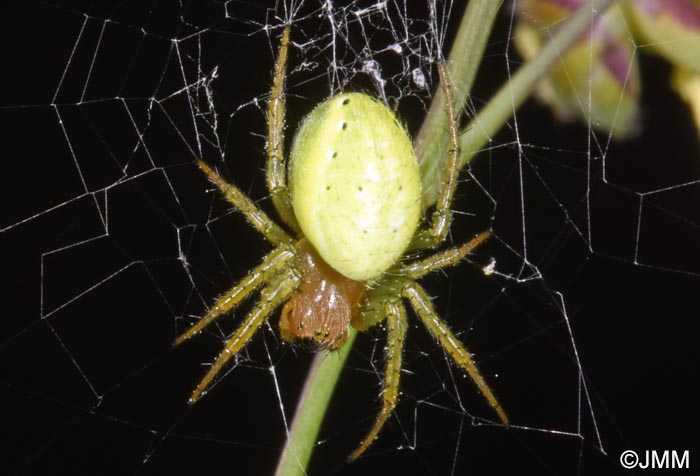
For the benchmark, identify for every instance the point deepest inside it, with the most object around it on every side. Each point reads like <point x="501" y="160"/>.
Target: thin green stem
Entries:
<point x="462" y="65"/>
<point x="315" y="397"/>
<point x="512" y="94"/>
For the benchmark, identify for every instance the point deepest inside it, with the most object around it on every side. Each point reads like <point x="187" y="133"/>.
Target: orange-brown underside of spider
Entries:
<point x="321" y="309"/>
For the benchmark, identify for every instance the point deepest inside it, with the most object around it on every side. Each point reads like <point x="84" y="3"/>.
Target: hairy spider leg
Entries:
<point x="396" y="324"/>
<point x="392" y="282"/>
<point x="275" y="272"/>
<point x="271" y="296"/>
<point x="276" y="165"/>
<point x="442" y="259"/>
<point x="422" y="305"/>
<point x="442" y="215"/>
<point x="395" y="314"/>
<point x="255" y="216"/>
<point x="276" y="260"/>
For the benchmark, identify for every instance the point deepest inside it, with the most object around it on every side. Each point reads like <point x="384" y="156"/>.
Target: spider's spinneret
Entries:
<point x="355" y="185"/>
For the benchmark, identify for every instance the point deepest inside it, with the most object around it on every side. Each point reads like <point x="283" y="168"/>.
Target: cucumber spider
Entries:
<point x="353" y="206"/>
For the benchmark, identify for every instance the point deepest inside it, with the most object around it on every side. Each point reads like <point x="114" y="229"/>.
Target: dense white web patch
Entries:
<point x="114" y="243"/>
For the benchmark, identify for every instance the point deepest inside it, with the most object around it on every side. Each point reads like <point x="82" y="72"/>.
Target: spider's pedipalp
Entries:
<point x="255" y="216"/>
<point x="423" y="306"/>
<point x="396" y="329"/>
<point x="277" y="259"/>
<point x="271" y="296"/>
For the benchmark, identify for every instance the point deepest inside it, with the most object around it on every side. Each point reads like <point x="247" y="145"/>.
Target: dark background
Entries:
<point x="91" y="385"/>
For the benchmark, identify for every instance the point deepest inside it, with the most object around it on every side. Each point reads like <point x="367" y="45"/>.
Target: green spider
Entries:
<point x="352" y="208"/>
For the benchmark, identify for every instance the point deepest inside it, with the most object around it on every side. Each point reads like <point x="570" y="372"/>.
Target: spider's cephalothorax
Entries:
<point x="353" y="205"/>
<point x="321" y="309"/>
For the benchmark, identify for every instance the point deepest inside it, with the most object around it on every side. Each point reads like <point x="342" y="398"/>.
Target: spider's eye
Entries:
<point x="355" y="185"/>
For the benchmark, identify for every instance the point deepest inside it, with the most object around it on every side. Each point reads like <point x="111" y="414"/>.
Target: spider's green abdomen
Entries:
<point x="355" y="185"/>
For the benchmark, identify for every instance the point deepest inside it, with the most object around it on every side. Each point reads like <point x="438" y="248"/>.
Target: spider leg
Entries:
<point x="396" y="322"/>
<point x="420" y="301"/>
<point x="276" y="167"/>
<point x="442" y="215"/>
<point x="271" y="297"/>
<point x="274" y="261"/>
<point x="258" y="218"/>
<point x="445" y="258"/>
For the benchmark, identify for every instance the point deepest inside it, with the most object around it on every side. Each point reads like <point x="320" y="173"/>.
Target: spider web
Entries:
<point x="113" y="244"/>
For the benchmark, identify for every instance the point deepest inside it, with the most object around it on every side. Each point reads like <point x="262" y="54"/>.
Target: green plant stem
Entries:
<point x="313" y="402"/>
<point x="465" y="57"/>
<point x="512" y="94"/>
<point x="326" y="368"/>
